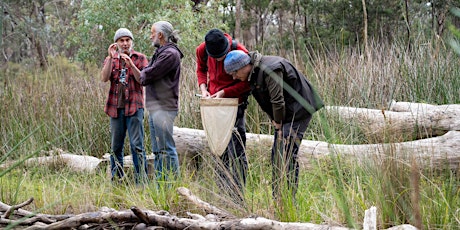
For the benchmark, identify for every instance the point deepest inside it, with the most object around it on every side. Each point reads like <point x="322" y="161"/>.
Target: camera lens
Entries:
<point x="123" y="76"/>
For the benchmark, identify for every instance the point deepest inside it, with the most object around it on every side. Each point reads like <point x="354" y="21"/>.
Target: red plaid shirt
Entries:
<point x="134" y="92"/>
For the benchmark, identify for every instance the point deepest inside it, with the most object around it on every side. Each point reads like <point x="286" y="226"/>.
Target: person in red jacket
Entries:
<point x="214" y="82"/>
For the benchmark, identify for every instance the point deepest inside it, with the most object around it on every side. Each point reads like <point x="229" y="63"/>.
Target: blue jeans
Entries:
<point x="161" y="125"/>
<point x="135" y="127"/>
<point x="232" y="177"/>
<point x="284" y="156"/>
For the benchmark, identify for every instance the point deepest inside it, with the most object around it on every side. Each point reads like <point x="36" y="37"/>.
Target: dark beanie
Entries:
<point x="216" y="43"/>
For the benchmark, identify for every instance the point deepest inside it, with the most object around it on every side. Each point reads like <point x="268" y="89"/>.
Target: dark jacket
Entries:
<point x="281" y="90"/>
<point x="161" y="78"/>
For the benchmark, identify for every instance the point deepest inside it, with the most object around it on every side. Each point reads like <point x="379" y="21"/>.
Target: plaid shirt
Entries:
<point x="134" y="93"/>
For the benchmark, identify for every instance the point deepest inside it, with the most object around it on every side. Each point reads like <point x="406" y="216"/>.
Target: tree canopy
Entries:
<point x="82" y="29"/>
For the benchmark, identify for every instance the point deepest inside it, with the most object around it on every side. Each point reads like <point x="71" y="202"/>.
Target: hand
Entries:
<point x="277" y="125"/>
<point x="219" y="94"/>
<point x="127" y="59"/>
<point x="112" y="50"/>
<point x="205" y="94"/>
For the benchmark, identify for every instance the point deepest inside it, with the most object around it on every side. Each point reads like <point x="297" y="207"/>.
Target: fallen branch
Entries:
<point x="208" y="208"/>
<point x="137" y="218"/>
<point x="15" y="207"/>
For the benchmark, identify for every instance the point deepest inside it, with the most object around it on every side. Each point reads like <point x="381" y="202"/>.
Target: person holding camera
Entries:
<point x="125" y="103"/>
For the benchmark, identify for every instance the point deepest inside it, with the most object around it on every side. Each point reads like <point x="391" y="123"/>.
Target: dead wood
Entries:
<point x="438" y="151"/>
<point x="10" y="210"/>
<point x="432" y="152"/>
<point x="137" y="218"/>
<point x="403" y="119"/>
<point x="208" y="208"/>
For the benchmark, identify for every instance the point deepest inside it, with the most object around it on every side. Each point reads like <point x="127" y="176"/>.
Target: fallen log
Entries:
<point x="58" y="158"/>
<point x="433" y="152"/>
<point x="403" y="119"/>
<point x="438" y="151"/>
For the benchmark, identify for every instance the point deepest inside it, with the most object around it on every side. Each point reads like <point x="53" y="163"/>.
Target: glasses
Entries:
<point x="233" y="73"/>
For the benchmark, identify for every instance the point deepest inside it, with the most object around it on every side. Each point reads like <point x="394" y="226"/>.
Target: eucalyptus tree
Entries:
<point x="99" y="19"/>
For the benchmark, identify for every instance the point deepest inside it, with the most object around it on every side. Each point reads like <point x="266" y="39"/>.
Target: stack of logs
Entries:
<point x="135" y="218"/>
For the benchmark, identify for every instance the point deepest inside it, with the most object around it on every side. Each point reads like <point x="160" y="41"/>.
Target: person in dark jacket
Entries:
<point x="289" y="100"/>
<point x="161" y="79"/>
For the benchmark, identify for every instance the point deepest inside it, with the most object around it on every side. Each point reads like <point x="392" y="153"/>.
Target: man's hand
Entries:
<point x="219" y="94"/>
<point x="112" y="50"/>
<point x="127" y="59"/>
<point x="277" y="125"/>
<point x="204" y="91"/>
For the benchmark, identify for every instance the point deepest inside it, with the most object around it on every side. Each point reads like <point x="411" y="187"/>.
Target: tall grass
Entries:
<point x="67" y="101"/>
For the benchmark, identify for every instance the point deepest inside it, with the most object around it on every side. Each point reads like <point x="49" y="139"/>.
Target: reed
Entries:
<point x="63" y="107"/>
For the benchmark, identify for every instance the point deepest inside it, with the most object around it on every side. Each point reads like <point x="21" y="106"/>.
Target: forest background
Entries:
<point x="359" y="53"/>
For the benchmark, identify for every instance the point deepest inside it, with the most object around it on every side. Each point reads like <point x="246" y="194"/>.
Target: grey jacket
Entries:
<point x="281" y="90"/>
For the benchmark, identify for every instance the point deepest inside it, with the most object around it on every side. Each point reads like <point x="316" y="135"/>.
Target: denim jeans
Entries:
<point x="284" y="156"/>
<point x="233" y="171"/>
<point x="135" y="127"/>
<point x="166" y="161"/>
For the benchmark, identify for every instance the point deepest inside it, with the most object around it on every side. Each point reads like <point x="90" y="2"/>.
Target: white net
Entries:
<point x="218" y="116"/>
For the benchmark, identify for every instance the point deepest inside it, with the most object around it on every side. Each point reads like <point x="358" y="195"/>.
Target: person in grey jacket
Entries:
<point x="289" y="100"/>
<point x="161" y="79"/>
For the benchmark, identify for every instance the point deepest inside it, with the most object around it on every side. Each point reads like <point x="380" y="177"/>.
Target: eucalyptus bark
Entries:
<point x="238" y="20"/>
<point x="365" y="26"/>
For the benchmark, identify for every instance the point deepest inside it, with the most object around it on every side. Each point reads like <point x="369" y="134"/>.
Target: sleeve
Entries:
<point x="275" y="89"/>
<point x="164" y="63"/>
<point x="143" y="62"/>
<point x="240" y="87"/>
<point x="201" y="64"/>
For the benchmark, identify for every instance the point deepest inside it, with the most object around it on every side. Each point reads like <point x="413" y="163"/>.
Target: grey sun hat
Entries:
<point x="122" y="32"/>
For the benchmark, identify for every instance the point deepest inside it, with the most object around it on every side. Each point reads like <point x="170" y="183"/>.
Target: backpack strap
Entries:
<point x="234" y="44"/>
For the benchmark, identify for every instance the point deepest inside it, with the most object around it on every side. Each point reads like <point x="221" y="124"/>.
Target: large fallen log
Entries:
<point x="441" y="151"/>
<point x="434" y="152"/>
<point x="404" y="119"/>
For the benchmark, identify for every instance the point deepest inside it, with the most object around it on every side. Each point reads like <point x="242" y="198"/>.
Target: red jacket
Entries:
<point x="215" y="77"/>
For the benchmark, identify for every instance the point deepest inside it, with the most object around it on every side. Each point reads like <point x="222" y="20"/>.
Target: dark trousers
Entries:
<point x="232" y="173"/>
<point x="284" y="157"/>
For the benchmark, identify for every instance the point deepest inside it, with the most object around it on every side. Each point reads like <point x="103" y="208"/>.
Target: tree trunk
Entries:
<point x="407" y="24"/>
<point x="365" y="27"/>
<point x="238" y="20"/>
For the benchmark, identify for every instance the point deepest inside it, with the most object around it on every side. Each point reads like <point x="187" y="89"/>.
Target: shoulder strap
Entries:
<point x="234" y="44"/>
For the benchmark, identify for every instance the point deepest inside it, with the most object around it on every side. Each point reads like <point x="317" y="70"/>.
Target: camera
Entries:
<point x="123" y="76"/>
